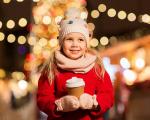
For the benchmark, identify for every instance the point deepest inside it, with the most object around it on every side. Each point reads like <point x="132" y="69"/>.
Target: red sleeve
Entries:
<point x="46" y="97"/>
<point x="105" y="95"/>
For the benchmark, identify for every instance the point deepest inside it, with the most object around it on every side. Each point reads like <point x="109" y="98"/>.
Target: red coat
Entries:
<point x="47" y="94"/>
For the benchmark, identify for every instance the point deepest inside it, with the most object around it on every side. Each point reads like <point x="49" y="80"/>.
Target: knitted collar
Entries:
<point x="81" y="65"/>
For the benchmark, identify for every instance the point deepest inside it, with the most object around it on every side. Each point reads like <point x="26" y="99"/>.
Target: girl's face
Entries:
<point x="74" y="45"/>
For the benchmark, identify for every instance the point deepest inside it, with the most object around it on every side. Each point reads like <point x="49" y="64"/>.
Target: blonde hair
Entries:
<point x="50" y="68"/>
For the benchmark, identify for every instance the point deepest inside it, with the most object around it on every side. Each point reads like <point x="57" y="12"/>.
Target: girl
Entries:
<point x="74" y="59"/>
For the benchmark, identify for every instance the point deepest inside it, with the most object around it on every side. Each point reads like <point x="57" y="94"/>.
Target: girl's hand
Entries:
<point x="67" y="103"/>
<point x="88" y="101"/>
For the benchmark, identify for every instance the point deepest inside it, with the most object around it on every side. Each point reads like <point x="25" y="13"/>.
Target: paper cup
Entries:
<point x="75" y="86"/>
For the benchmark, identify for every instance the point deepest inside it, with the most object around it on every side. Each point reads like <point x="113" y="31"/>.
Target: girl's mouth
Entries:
<point x="74" y="51"/>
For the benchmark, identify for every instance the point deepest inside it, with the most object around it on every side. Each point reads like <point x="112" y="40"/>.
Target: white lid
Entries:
<point x="75" y="82"/>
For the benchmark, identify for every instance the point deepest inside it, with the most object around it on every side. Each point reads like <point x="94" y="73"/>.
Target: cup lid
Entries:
<point x="75" y="82"/>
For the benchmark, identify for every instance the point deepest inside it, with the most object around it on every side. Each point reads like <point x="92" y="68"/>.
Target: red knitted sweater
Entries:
<point x="47" y="94"/>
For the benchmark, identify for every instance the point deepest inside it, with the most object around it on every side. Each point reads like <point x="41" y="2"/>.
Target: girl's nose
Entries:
<point x="75" y="43"/>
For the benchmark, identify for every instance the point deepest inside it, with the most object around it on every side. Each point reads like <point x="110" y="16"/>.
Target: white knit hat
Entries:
<point x="73" y="23"/>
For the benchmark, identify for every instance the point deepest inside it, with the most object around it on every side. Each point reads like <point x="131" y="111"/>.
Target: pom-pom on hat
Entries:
<point x="73" y="23"/>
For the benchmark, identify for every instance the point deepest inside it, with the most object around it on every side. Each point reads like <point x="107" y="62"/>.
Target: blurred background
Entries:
<point x="121" y="35"/>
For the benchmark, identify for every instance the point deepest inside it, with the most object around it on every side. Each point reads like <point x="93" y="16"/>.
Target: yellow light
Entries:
<point x="46" y="54"/>
<point x="58" y="19"/>
<point x="42" y="42"/>
<point x="2" y="73"/>
<point x="104" y="40"/>
<point x="131" y="17"/>
<point x="36" y="0"/>
<point x="1" y="24"/>
<point x="130" y="76"/>
<point x="10" y="24"/>
<point x="2" y="36"/>
<point x="71" y="4"/>
<point x="46" y="20"/>
<point x="122" y="15"/>
<point x="22" y="84"/>
<point x="91" y="26"/>
<point x="34" y="79"/>
<point x="6" y="1"/>
<point x="21" y="39"/>
<point x="95" y="13"/>
<point x="11" y="38"/>
<point x="145" y="18"/>
<point x="18" y="75"/>
<point x="22" y="22"/>
<point x="37" y="49"/>
<point x="102" y="7"/>
<point x="53" y="42"/>
<point x="111" y="12"/>
<point x="84" y="15"/>
<point x="94" y="42"/>
<point x="19" y="0"/>
<point x="31" y="40"/>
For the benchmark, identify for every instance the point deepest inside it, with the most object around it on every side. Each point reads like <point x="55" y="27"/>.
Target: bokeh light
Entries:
<point x="95" y="13"/>
<point x="37" y="49"/>
<point x="46" y="20"/>
<point x="31" y="40"/>
<point x="2" y="36"/>
<point x="22" y="84"/>
<point x="6" y="1"/>
<point x="111" y="12"/>
<point x="91" y="26"/>
<point x="42" y="42"/>
<point x="10" y="24"/>
<point x="22" y="22"/>
<point x="104" y="40"/>
<point x="139" y="63"/>
<point x="94" y="42"/>
<point x="84" y="15"/>
<point x="102" y="7"/>
<point x="19" y="0"/>
<point x="18" y="75"/>
<point x="21" y="39"/>
<point x="122" y="14"/>
<point x="131" y="17"/>
<point x="11" y="38"/>
<point x="58" y="19"/>
<point x="2" y="73"/>
<point x="1" y="24"/>
<point x="36" y="0"/>
<point x="130" y="76"/>
<point x="124" y="62"/>
<point x="53" y="42"/>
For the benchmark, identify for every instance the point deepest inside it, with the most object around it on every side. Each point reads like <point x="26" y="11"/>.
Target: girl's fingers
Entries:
<point x="95" y="103"/>
<point x="75" y="103"/>
<point x="59" y="106"/>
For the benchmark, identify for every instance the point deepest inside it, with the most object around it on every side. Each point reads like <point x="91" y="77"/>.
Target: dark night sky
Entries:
<point x="10" y="60"/>
<point x="106" y="26"/>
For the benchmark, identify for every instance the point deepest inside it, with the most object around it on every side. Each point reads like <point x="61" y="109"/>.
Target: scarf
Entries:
<point x="81" y="65"/>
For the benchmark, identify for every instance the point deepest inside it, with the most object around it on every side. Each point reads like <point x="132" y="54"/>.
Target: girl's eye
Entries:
<point x="81" y="39"/>
<point x="68" y="39"/>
